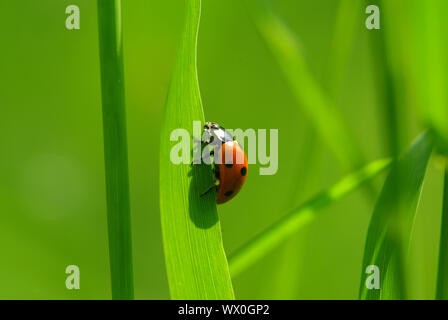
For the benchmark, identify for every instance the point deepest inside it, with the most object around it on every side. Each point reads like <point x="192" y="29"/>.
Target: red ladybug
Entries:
<point x="229" y="174"/>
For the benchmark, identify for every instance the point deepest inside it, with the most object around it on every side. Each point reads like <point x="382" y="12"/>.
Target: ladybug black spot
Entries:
<point x="228" y="193"/>
<point x="229" y="165"/>
<point x="243" y="171"/>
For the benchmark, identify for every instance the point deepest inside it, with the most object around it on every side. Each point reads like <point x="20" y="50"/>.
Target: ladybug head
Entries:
<point x="212" y="125"/>
<point x="217" y="132"/>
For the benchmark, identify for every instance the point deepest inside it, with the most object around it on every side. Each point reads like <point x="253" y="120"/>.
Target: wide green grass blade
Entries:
<point x="300" y="216"/>
<point x="442" y="275"/>
<point x="115" y="148"/>
<point x="391" y="224"/>
<point x="195" y="260"/>
<point x="325" y="117"/>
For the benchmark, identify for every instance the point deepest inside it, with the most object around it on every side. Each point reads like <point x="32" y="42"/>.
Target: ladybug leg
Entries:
<point x="215" y="185"/>
<point x="212" y="153"/>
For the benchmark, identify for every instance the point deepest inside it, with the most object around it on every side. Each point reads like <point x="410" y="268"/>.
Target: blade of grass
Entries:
<point x="386" y="84"/>
<point x="115" y="148"/>
<point x="300" y="216"/>
<point x="326" y="119"/>
<point x="345" y="29"/>
<point x="195" y="260"/>
<point x="429" y="49"/>
<point x="391" y="224"/>
<point x="442" y="275"/>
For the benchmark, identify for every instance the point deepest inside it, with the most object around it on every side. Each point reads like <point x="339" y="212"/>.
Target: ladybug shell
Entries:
<point x="231" y="175"/>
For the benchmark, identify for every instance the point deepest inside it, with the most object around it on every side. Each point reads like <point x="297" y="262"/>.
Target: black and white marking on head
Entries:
<point x="214" y="130"/>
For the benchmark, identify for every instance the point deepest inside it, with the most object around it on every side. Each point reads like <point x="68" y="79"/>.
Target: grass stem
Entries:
<point x="115" y="148"/>
<point x="442" y="276"/>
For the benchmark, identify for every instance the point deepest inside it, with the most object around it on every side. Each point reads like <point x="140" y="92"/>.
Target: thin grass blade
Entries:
<point x="442" y="275"/>
<point x="391" y="224"/>
<point x="387" y="82"/>
<point x="326" y="119"/>
<point x="251" y="252"/>
<point x="115" y="148"/>
<point x="428" y="49"/>
<point x="345" y="28"/>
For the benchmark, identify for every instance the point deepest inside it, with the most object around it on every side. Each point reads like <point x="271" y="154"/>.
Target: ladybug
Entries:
<point x="229" y="174"/>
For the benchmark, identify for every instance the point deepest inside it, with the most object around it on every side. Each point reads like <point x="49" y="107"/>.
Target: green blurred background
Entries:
<point x="52" y="183"/>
